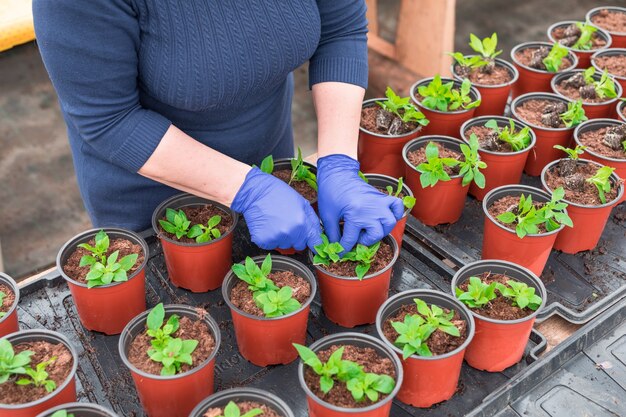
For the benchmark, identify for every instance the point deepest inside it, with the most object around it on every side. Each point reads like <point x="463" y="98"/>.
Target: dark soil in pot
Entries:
<point x="383" y="257"/>
<point x="594" y="140"/>
<point x="577" y="189"/>
<point x="244" y="407"/>
<point x="533" y="58"/>
<point x="611" y="20"/>
<point x="339" y="395"/>
<point x="488" y="139"/>
<point x="562" y="35"/>
<point x="574" y="86"/>
<point x="58" y="371"/>
<point x="201" y="215"/>
<point x="499" y="75"/>
<point x="537" y="111"/>
<point x="8" y="300"/>
<point x="613" y="64"/>
<point x="377" y="120"/>
<point x="510" y="203"/>
<point x="419" y="156"/>
<point x="301" y="187"/>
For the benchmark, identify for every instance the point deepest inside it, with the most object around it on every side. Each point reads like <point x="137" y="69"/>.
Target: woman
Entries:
<point x="167" y="95"/>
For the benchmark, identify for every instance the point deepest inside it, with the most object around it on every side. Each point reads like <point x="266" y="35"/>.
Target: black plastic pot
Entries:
<point x="382" y="181"/>
<point x="9" y="322"/>
<point x="610" y="52"/>
<point x="80" y="410"/>
<point x="592" y="110"/>
<point x="237" y="395"/>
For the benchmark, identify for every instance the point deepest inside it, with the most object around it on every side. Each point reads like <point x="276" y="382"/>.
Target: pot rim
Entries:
<point x="230" y="393"/>
<point x="476" y="120"/>
<point x="10" y="282"/>
<point x="596" y="154"/>
<point x="616" y="179"/>
<point x="596" y="10"/>
<point x="605" y="35"/>
<point x="391" y="180"/>
<point x="536" y="44"/>
<point x="372" y="102"/>
<point x="620" y="108"/>
<point x="72" y="245"/>
<point x="72" y="408"/>
<point x="430" y="138"/>
<point x="372" y="341"/>
<point x="308" y="275"/>
<point x="457" y="84"/>
<point x="281" y="161"/>
<point x="503" y="264"/>
<point x="528" y="190"/>
<point x="32" y="334"/>
<point x="562" y="75"/>
<point x="396" y="254"/>
<point x="538" y="96"/>
<point x="141" y="318"/>
<point x="415" y="293"/>
<point x="609" y="52"/>
<point x="512" y="71"/>
<point x="168" y="202"/>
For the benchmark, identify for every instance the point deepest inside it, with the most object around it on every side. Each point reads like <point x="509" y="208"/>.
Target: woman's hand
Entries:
<point x="277" y="216"/>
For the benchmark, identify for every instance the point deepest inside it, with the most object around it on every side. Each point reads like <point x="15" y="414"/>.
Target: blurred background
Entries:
<point x="40" y="206"/>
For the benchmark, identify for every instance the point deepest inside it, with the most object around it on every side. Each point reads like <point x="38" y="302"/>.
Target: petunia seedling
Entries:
<point x="159" y="332"/>
<point x="467" y="63"/>
<point x="585" y="39"/>
<point x="520" y="294"/>
<point x="554" y="60"/>
<point x="407" y="200"/>
<point x="12" y="363"/>
<point x="277" y="303"/>
<point x="413" y="333"/>
<point x="232" y="410"/>
<point x="572" y="153"/>
<point x="301" y="172"/>
<point x="206" y="233"/>
<point x="104" y="270"/>
<point x="433" y="170"/>
<point x="402" y="108"/>
<point x="256" y="277"/>
<point x="370" y="385"/>
<point x="517" y="139"/>
<point x="327" y="252"/>
<point x="470" y="165"/>
<point x="605" y="87"/>
<point x="478" y="293"/>
<point x="176" y="223"/>
<point x="574" y="115"/>
<point x="62" y="413"/>
<point x="446" y="97"/>
<point x="326" y="371"/>
<point x="364" y="256"/>
<point x="2" y="295"/>
<point x="267" y="165"/>
<point x="601" y="179"/>
<point x="437" y="317"/>
<point x="39" y="376"/>
<point x="487" y="48"/>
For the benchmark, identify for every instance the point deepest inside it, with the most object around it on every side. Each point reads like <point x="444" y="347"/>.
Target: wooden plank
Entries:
<point x="383" y="47"/>
<point x="372" y="16"/>
<point x="385" y="72"/>
<point x="33" y="278"/>
<point x="556" y="330"/>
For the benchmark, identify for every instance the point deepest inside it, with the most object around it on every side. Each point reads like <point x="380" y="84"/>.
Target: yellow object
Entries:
<point x="16" y="23"/>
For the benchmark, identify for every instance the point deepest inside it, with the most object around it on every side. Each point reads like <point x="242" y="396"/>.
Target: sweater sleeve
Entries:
<point x="89" y="48"/>
<point x="342" y="52"/>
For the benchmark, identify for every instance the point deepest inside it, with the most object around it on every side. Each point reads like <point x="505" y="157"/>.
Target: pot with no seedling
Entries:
<point x="353" y="287"/>
<point x="614" y="62"/>
<point x="197" y="239"/>
<point x="583" y="39"/>
<point x="446" y="103"/>
<point x="537" y="62"/>
<point x="431" y="368"/>
<point x="504" y="147"/>
<point x="9" y="298"/>
<point x="269" y="299"/>
<point x="78" y="410"/>
<point x="439" y="170"/>
<point x="245" y="400"/>
<point x="171" y="374"/>
<point x="40" y="380"/>
<point x="522" y="224"/>
<point x="504" y="312"/>
<point x="613" y="20"/>
<point x="387" y="124"/>
<point x="105" y="271"/>
<point x="373" y="378"/>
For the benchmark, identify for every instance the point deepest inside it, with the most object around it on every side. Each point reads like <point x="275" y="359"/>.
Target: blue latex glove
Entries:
<point x="368" y="214"/>
<point x="276" y="215"/>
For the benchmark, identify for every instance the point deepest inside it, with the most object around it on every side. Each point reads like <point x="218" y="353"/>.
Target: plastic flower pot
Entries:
<point x="383" y="181"/>
<point x="64" y="393"/>
<point x="9" y="323"/>
<point x="584" y="57"/>
<point x="533" y="80"/>
<point x="351" y="302"/>
<point x="610" y="52"/>
<point x="620" y="111"/>
<point x="589" y="221"/>
<point x="618" y="39"/>
<point x="198" y="267"/>
<point x="443" y="123"/>
<point x="107" y="308"/>
<point x="618" y="164"/>
<point x="444" y="202"/>
<point x="237" y="395"/>
<point x="80" y="410"/>
<point x="176" y="395"/>
<point x="275" y="334"/>
<point x="494" y="97"/>
<point x="382" y="154"/>
<point x="543" y="151"/>
<point x="319" y="408"/>
<point x="499" y="344"/>
<point x="502" y="167"/>
<point x="428" y="380"/>
<point x="500" y="242"/>
<point x="592" y="110"/>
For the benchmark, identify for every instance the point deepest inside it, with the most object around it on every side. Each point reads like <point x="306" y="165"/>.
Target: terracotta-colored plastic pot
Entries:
<point x="494" y="97"/>
<point x="64" y="393"/>
<point x="618" y="39"/>
<point x="9" y="322"/>
<point x="198" y="267"/>
<point x="610" y="52"/>
<point x="589" y="221"/>
<point x="80" y="410"/>
<point x="543" y="151"/>
<point x="107" y="308"/>
<point x="618" y="164"/>
<point x="383" y="181"/>
<point x="238" y="395"/>
<point x="428" y="380"/>
<point x="502" y="243"/>
<point x="176" y="395"/>
<point x="444" y="123"/>
<point x="498" y="344"/>
<point x="319" y="408"/>
<point x="620" y="111"/>
<point x="382" y="154"/>
<point x="276" y="334"/>
<point x="592" y="110"/>
<point x="502" y="167"/>
<point x="444" y="202"/>
<point x="584" y="57"/>
<point x="351" y="302"/>
<point x="532" y="80"/>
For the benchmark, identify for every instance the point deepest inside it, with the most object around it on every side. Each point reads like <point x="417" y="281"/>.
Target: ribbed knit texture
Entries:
<point x="220" y="70"/>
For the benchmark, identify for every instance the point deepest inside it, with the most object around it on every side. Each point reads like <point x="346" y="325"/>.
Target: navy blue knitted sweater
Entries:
<point x="220" y="70"/>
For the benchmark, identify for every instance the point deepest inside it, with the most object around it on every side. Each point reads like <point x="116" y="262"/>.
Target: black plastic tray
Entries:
<point x="104" y="380"/>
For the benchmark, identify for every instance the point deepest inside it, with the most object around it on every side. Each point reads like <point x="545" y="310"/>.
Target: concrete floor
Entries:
<point x="40" y="205"/>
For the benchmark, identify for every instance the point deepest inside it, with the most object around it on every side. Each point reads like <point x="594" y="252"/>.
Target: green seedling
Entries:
<point x="602" y="181"/>
<point x="267" y="165"/>
<point x="585" y="41"/>
<point x="572" y="153"/>
<point x="206" y="233"/>
<point x="256" y="277"/>
<point x="433" y="170"/>
<point x="574" y="115"/>
<point x="104" y="270"/>
<point x="436" y="317"/>
<point x="407" y="200"/>
<point x="413" y="334"/>
<point x="11" y="363"/>
<point x="370" y="385"/>
<point x="38" y="376"/>
<point x="176" y="223"/>
<point x="402" y="108"/>
<point x="277" y="303"/>
<point x="471" y="62"/>
<point x="301" y="172"/>
<point x="487" y="47"/>
<point x="517" y="140"/>
<point x="520" y="294"/>
<point x="605" y="87"/>
<point x="161" y="333"/>
<point x="326" y="371"/>
<point x="232" y="410"/>
<point x="478" y="293"/>
<point x="327" y="252"/>
<point x="2" y="295"/>
<point x="364" y="256"/>
<point x="445" y="97"/>
<point x="554" y="60"/>
<point x="62" y="413"/>
<point x="471" y="164"/>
